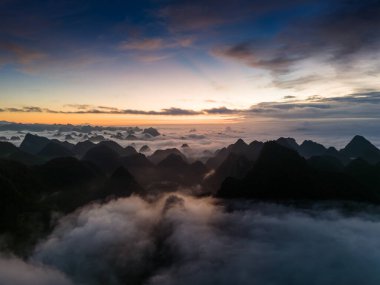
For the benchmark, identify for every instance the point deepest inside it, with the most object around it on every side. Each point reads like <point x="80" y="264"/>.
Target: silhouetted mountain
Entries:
<point x="30" y="195"/>
<point x="198" y="169"/>
<point x="161" y="154"/>
<point x="33" y="144"/>
<point x="82" y="147"/>
<point x="359" y="147"/>
<point x="97" y="138"/>
<point x="309" y="148"/>
<point x="10" y="151"/>
<point x="326" y="163"/>
<point x="131" y="137"/>
<point x="332" y="151"/>
<point x="129" y="150"/>
<point x="364" y="172"/>
<point x="137" y="160"/>
<point x="251" y="152"/>
<point x="65" y="144"/>
<point x="6" y="149"/>
<point x="67" y="172"/>
<point x="21" y="178"/>
<point x="34" y="189"/>
<point x="235" y="165"/>
<point x="239" y="147"/>
<point x="288" y="142"/>
<point x="280" y="173"/>
<point x="105" y="158"/>
<point x="114" y="146"/>
<point x="254" y="149"/>
<point x="215" y="161"/>
<point x="22" y="218"/>
<point x="176" y="172"/>
<point x="69" y="183"/>
<point x="174" y="161"/>
<point x="141" y="168"/>
<point x="120" y="184"/>
<point x="54" y="150"/>
<point x="144" y="148"/>
<point x="151" y="131"/>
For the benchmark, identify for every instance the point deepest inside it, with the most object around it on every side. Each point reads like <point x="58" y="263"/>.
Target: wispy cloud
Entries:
<point x="202" y="15"/>
<point x="144" y="44"/>
<point x="358" y="105"/>
<point x="154" y="44"/>
<point x="20" y="54"/>
<point x="341" y="36"/>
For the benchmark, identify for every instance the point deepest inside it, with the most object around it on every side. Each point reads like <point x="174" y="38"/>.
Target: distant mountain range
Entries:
<point x="45" y="176"/>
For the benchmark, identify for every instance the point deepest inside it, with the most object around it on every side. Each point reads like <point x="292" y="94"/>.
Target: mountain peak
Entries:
<point x="288" y="142"/>
<point x="359" y="139"/>
<point x="357" y="143"/>
<point x="276" y="154"/>
<point x="33" y="143"/>
<point x="310" y="148"/>
<point x="359" y="146"/>
<point x="173" y="160"/>
<point x="240" y="146"/>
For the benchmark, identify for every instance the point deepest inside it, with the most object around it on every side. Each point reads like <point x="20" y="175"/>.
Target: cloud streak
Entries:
<point x="358" y="105"/>
<point x="154" y="44"/>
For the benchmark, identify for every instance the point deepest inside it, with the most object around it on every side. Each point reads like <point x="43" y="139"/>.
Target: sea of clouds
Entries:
<point x="203" y="140"/>
<point x="177" y="239"/>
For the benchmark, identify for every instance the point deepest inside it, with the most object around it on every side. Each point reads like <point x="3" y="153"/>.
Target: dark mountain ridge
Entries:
<point x="43" y="176"/>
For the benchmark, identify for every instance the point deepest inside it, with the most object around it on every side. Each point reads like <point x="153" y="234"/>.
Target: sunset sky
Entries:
<point x="202" y="61"/>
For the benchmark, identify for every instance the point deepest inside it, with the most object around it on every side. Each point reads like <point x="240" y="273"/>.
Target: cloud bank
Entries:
<point x="17" y="272"/>
<point x="182" y="240"/>
<point x="356" y="105"/>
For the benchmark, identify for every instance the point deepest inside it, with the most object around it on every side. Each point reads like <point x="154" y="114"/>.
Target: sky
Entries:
<point x="203" y="61"/>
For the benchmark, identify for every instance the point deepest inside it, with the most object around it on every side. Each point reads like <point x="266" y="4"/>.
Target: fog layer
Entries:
<point x="182" y="240"/>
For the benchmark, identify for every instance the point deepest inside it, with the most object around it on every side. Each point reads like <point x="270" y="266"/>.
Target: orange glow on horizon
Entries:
<point x="113" y="120"/>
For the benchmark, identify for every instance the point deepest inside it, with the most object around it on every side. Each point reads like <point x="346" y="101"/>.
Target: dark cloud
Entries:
<point x="27" y="109"/>
<point x="259" y="56"/>
<point x="170" y="112"/>
<point x="221" y="111"/>
<point x="289" y="97"/>
<point x="361" y="105"/>
<point x="341" y="33"/>
<point x="360" y="98"/>
<point x="88" y="109"/>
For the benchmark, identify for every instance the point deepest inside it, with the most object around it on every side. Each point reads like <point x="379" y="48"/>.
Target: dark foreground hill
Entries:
<point x="32" y="195"/>
<point x="280" y="173"/>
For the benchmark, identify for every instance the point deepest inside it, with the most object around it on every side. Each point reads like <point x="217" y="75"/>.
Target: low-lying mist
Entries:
<point x="178" y="239"/>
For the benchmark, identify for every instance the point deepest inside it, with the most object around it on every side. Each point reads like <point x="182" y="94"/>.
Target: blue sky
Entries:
<point x="136" y="57"/>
